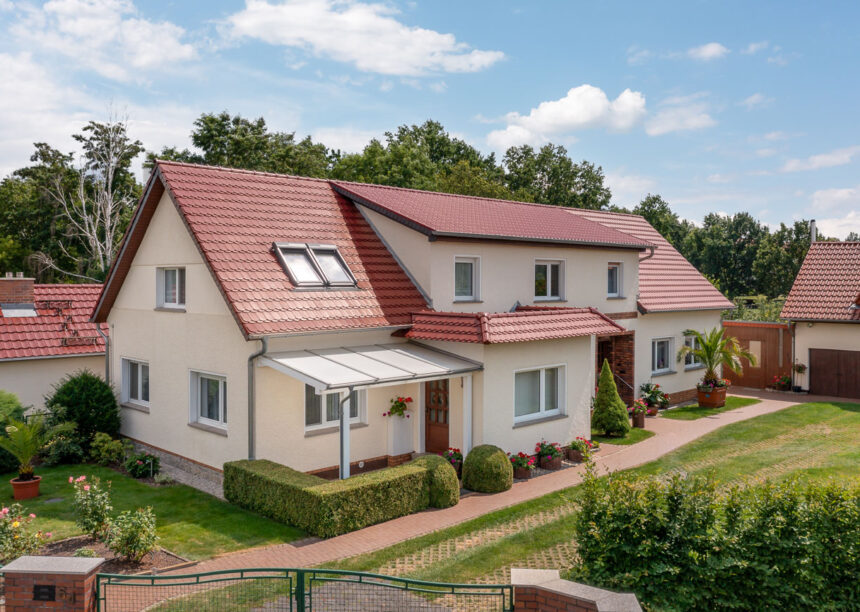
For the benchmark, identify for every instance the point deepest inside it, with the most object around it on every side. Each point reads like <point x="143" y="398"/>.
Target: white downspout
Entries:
<point x="252" y="398"/>
<point x="344" y="435"/>
<point x="107" y="351"/>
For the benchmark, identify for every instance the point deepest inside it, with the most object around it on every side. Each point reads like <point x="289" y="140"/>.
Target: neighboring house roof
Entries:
<point x="667" y="281"/>
<point x="446" y="215"/>
<point x="60" y="329"/>
<point x="234" y="217"/>
<point x="827" y="287"/>
<point x="523" y="325"/>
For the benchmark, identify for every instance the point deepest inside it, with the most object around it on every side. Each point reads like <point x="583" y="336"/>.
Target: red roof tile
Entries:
<point x="827" y="285"/>
<point x="441" y="214"/>
<point x="62" y="327"/>
<point x="524" y="325"/>
<point x="667" y="281"/>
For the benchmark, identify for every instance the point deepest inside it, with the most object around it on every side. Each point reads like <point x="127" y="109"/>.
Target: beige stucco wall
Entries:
<point x="837" y="336"/>
<point x="32" y="379"/>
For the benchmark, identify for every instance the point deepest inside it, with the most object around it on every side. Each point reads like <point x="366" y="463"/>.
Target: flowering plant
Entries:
<point x="781" y="382"/>
<point x="581" y="444"/>
<point x="522" y="461"/>
<point x="713" y="384"/>
<point x="16" y="539"/>
<point x="399" y="406"/>
<point x="141" y="465"/>
<point x="640" y="406"/>
<point x="92" y="505"/>
<point x="653" y="395"/>
<point x="453" y="456"/>
<point x="548" y="449"/>
<point x="652" y="411"/>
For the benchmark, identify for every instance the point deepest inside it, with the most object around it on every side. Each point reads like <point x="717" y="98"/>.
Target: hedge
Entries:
<point x="487" y="469"/>
<point x="322" y="507"/>
<point x="443" y="482"/>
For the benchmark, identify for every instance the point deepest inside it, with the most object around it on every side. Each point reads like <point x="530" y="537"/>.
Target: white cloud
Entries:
<point x="719" y="178"/>
<point x="637" y="55"/>
<point x="439" y="86"/>
<point x="765" y="152"/>
<point x="708" y="52"/>
<point x="347" y="139"/>
<point x="836" y="199"/>
<point x="757" y="100"/>
<point x="755" y="47"/>
<point x="840" y="227"/>
<point x="837" y="157"/>
<point x="629" y="189"/>
<point x="364" y="34"/>
<point x="681" y="113"/>
<point x="775" y="136"/>
<point x="106" y="36"/>
<point x="583" y="107"/>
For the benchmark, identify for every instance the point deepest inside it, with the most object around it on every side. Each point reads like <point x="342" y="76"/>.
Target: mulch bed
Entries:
<point x="157" y="559"/>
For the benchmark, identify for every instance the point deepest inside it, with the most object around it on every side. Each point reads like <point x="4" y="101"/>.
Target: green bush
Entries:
<point x="92" y="505"/>
<point x="10" y="410"/>
<point x="142" y="465"/>
<point x="63" y="450"/>
<point x="610" y="414"/>
<point x="107" y="451"/>
<point x="443" y="482"/>
<point x="131" y="535"/>
<point x="84" y="552"/>
<point x="89" y="402"/>
<point x="487" y="469"/>
<point x="321" y="507"/>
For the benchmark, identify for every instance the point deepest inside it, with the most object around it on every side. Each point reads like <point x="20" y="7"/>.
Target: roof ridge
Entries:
<point x="241" y="170"/>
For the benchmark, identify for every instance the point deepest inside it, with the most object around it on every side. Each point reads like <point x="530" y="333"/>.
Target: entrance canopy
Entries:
<point x="360" y="367"/>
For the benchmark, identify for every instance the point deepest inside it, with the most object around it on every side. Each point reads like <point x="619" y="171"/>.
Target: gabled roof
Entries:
<point x="827" y="287"/>
<point x="523" y="325"/>
<point x="667" y="281"/>
<point x="60" y="329"/>
<point x="445" y="215"/>
<point x="234" y="217"/>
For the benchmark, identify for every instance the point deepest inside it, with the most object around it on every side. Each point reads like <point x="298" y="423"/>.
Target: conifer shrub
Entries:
<point x="610" y="414"/>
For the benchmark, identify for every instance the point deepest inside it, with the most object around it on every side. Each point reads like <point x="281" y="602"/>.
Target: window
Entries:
<point x="690" y="360"/>
<point x="310" y="265"/>
<point x="171" y="287"/>
<point x="324" y="410"/>
<point x="613" y="280"/>
<point x="538" y="393"/>
<point x="466" y="277"/>
<point x="209" y="399"/>
<point x="661" y="351"/>
<point x="548" y="279"/>
<point x="135" y="382"/>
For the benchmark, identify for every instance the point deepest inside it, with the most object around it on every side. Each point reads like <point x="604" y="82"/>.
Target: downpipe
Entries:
<point x="107" y="351"/>
<point x="252" y="398"/>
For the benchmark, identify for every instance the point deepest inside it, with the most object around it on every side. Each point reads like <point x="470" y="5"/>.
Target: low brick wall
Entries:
<point x="679" y="397"/>
<point x="66" y="584"/>
<point x="544" y="590"/>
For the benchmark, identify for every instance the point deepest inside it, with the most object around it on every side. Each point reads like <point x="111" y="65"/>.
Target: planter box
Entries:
<point x="522" y="473"/>
<point x="548" y="463"/>
<point x="639" y="420"/>
<point x="26" y="489"/>
<point x="712" y="399"/>
<point x="575" y="455"/>
<point x="400" y="435"/>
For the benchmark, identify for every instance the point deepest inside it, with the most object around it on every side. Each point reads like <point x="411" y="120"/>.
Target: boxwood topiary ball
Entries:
<point x="487" y="469"/>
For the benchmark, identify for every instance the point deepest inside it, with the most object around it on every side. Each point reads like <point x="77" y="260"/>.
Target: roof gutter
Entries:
<point x="649" y="255"/>
<point x="252" y="397"/>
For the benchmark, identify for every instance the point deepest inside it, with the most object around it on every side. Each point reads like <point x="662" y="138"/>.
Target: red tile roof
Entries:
<point x="62" y="327"/>
<point x="667" y="281"/>
<point x="235" y="216"/>
<point x="827" y="285"/>
<point x="441" y="214"/>
<point x="524" y="325"/>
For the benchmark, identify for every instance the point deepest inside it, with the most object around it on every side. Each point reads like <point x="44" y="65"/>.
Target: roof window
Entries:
<point x="314" y="265"/>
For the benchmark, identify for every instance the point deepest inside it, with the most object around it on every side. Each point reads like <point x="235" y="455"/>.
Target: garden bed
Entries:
<point x="156" y="560"/>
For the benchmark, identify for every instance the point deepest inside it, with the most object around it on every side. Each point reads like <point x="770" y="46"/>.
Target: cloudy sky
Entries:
<point x="717" y="106"/>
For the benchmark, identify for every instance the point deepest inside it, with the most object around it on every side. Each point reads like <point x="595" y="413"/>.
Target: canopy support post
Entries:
<point x="345" y="409"/>
<point x="467" y="414"/>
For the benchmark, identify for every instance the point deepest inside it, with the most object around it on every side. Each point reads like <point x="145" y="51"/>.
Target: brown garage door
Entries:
<point x="834" y="372"/>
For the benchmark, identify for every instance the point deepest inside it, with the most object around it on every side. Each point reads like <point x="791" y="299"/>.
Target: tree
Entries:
<point x="852" y="237"/>
<point x="466" y="179"/>
<point x="779" y="257"/>
<point x="714" y="350"/>
<point x="657" y="212"/>
<point x="610" y="413"/>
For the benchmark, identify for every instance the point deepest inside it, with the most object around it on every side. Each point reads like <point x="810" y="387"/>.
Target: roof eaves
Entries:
<point x="611" y="245"/>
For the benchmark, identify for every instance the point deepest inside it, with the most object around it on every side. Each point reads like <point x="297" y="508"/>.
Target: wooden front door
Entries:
<point x="436" y="416"/>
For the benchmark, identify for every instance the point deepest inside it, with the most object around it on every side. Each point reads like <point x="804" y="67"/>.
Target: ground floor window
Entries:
<point x="209" y="399"/>
<point x="135" y="382"/>
<point x="538" y="393"/>
<point x="690" y="360"/>
<point x="324" y="410"/>
<point x="661" y="355"/>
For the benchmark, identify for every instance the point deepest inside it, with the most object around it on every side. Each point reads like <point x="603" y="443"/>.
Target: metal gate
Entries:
<point x="289" y="590"/>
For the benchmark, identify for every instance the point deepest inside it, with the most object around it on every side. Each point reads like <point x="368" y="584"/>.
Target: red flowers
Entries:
<point x="399" y="407"/>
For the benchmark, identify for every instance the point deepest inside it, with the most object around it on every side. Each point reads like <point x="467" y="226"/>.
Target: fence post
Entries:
<point x="300" y="591"/>
<point x="59" y="583"/>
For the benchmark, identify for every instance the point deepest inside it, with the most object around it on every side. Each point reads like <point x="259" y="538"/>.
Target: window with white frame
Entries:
<point x="324" y="410"/>
<point x="661" y="355"/>
<point x="135" y="382"/>
<point x="466" y="278"/>
<point x="314" y="265"/>
<point x="170" y="290"/>
<point x="538" y="393"/>
<point x="209" y="399"/>
<point x="690" y="360"/>
<point x="613" y="280"/>
<point x="549" y="278"/>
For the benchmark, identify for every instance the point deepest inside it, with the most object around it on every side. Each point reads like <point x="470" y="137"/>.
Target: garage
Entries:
<point x="834" y="372"/>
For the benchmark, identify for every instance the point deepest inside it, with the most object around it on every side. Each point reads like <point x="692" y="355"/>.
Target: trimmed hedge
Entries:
<point x="487" y="469"/>
<point x="442" y="479"/>
<point x="322" y="507"/>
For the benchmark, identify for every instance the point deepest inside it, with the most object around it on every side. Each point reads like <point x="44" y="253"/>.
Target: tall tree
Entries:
<point x="779" y="258"/>
<point x="659" y="214"/>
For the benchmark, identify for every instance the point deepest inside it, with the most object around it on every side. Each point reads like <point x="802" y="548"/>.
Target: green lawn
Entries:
<point x="691" y="413"/>
<point x="190" y="523"/>
<point x="633" y="436"/>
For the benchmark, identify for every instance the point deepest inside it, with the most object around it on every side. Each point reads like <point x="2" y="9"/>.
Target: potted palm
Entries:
<point x="24" y="441"/>
<point x="714" y="350"/>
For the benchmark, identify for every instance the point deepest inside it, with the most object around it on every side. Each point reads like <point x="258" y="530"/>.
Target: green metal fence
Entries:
<point x="293" y="590"/>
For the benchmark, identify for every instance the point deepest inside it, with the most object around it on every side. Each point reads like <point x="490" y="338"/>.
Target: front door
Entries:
<point x="436" y="416"/>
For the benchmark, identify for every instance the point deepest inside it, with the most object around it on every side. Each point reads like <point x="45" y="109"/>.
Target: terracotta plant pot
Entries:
<point x="551" y="463"/>
<point x="639" y="420"/>
<point x="522" y="473"/>
<point x="712" y="399"/>
<point x="574" y="455"/>
<point x="26" y="489"/>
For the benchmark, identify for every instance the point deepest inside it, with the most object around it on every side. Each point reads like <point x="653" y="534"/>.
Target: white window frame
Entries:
<point x="694" y="362"/>
<point x="194" y="392"/>
<point x="562" y="393"/>
<point x="549" y="288"/>
<point x="476" y="278"/>
<point x="668" y="368"/>
<point x="310" y="251"/>
<point x="361" y="397"/>
<point x="619" y="280"/>
<point x="126" y="364"/>
<point x="181" y="287"/>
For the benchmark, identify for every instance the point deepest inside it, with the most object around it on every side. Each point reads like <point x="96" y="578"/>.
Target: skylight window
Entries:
<point x="314" y="265"/>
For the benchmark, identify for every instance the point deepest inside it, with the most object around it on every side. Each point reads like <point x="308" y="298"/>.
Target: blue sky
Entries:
<point x="717" y="106"/>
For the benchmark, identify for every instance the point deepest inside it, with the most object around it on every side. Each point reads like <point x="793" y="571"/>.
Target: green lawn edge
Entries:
<point x="694" y="412"/>
<point x="632" y="437"/>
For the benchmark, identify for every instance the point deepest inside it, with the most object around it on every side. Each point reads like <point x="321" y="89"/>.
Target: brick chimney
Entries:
<point x="16" y="289"/>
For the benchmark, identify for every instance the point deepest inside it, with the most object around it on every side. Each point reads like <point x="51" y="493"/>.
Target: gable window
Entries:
<point x="690" y="360"/>
<point x="538" y="393"/>
<point x="613" y="280"/>
<point x="324" y="410"/>
<point x="135" y="382"/>
<point x="548" y="279"/>
<point x="661" y="351"/>
<point x="209" y="399"/>
<point x="466" y="279"/>
<point x="170" y="291"/>
<point x="315" y="265"/>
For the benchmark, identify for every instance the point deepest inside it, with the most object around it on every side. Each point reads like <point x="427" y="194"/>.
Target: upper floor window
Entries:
<point x="171" y="287"/>
<point x="538" y="393"/>
<point x="135" y="382"/>
<point x="690" y="360"/>
<point x="661" y="351"/>
<point x="315" y="265"/>
<point x="324" y="410"/>
<point x="209" y="399"/>
<point x="549" y="277"/>
<point x="466" y="278"/>
<point x="613" y="280"/>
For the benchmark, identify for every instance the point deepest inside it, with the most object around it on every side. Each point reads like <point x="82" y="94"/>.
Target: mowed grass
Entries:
<point x="693" y="412"/>
<point x="632" y="437"/>
<point x="190" y="523"/>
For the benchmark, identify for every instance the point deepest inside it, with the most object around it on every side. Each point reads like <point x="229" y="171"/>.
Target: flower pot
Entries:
<point x="716" y="398"/>
<point x="574" y="455"/>
<point x="522" y="473"/>
<point x="639" y="420"/>
<point x="459" y="468"/>
<point x="550" y="463"/>
<point x="26" y="489"/>
<point x="797" y="388"/>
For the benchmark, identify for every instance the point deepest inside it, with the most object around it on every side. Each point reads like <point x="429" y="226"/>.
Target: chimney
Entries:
<point x="813" y="231"/>
<point x="16" y="289"/>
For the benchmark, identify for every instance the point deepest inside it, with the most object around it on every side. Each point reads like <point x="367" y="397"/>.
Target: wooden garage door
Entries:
<point x="834" y="372"/>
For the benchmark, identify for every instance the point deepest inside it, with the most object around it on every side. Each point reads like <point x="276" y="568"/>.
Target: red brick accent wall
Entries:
<point x="535" y="598"/>
<point x="16" y="290"/>
<point x="74" y="592"/>
<point x="622" y="364"/>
